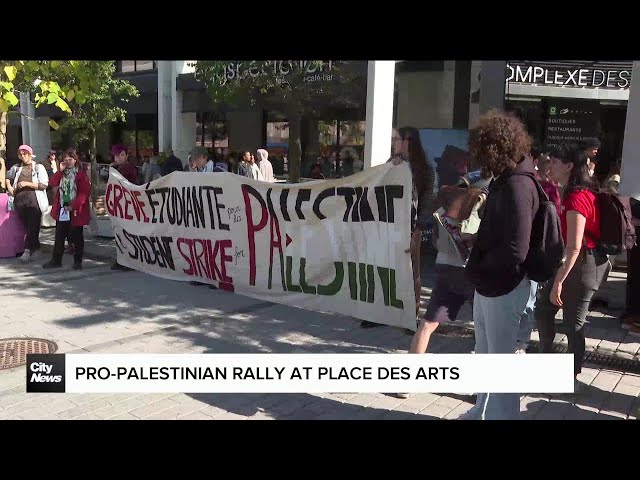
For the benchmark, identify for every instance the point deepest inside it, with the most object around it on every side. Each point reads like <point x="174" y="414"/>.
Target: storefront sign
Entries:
<point x="583" y="77"/>
<point x="571" y="122"/>
<point x="314" y="70"/>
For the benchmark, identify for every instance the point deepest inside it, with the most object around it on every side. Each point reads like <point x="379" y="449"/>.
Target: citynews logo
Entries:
<point x="45" y="373"/>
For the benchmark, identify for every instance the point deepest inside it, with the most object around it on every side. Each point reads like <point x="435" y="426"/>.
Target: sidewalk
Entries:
<point x="97" y="310"/>
<point x="604" y="333"/>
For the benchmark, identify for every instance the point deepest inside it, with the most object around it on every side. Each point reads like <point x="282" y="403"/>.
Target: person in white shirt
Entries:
<point x="265" y="165"/>
<point x="252" y="169"/>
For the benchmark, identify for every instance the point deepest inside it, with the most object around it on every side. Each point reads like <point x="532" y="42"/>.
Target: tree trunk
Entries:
<point x="94" y="166"/>
<point x="3" y="135"/>
<point x="295" y="148"/>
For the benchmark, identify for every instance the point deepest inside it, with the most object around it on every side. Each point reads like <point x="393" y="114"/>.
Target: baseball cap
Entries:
<point x="26" y="148"/>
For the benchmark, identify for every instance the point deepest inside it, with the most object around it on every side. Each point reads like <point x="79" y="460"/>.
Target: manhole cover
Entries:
<point x="13" y="351"/>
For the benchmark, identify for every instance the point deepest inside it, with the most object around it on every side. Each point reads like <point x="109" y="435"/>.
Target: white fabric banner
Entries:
<point x="327" y="245"/>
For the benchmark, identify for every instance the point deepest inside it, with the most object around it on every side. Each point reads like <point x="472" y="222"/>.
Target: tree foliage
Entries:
<point x="99" y="95"/>
<point x="85" y="90"/>
<point x="298" y="87"/>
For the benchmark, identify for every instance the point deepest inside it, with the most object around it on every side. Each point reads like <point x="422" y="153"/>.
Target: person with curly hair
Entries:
<point x="501" y="144"/>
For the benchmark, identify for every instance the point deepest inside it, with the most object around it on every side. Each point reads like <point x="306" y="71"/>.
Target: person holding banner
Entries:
<point x="128" y="171"/>
<point x="407" y="147"/>
<point x="70" y="209"/>
<point x="457" y="222"/>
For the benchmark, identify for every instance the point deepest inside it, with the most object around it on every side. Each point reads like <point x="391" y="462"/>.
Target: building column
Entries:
<point x="35" y="130"/>
<point x="379" y="116"/>
<point x="40" y="133"/>
<point x="630" y="168"/>
<point x="27" y="109"/>
<point x="183" y="127"/>
<point x="166" y="80"/>
<point x="492" y="85"/>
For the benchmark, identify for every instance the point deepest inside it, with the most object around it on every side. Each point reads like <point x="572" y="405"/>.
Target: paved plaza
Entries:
<point x="97" y="310"/>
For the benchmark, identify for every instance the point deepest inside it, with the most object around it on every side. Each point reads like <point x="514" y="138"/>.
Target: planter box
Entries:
<point x="104" y="229"/>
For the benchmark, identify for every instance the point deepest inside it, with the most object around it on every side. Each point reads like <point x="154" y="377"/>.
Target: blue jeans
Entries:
<point x="528" y="320"/>
<point x="497" y="325"/>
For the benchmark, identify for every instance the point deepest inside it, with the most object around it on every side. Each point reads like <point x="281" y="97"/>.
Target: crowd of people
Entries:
<point x="495" y="220"/>
<point x="491" y="226"/>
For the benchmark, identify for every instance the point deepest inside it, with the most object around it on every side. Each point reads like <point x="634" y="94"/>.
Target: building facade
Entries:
<point x="558" y="101"/>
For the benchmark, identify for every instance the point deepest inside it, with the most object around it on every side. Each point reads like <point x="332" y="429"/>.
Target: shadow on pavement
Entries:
<point x="293" y="406"/>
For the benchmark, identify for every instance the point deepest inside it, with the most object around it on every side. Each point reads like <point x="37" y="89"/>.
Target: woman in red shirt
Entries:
<point x="70" y="208"/>
<point x="578" y="279"/>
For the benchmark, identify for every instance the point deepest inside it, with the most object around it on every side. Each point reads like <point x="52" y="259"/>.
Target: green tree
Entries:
<point x="97" y="103"/>
<point x="31" y="76"/>
<point x="84" y="89"/>
<point x="290" y="84"/>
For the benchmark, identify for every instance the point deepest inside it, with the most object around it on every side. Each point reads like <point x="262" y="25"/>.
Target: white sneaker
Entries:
<point x="26" y="256"/>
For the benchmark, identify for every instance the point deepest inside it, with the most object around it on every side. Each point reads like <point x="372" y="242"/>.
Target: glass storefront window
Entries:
<point x="129" y="66"/>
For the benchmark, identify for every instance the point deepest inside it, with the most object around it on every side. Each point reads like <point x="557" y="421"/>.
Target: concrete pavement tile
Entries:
<point x="30" y="402"/>
<point x="86" y="408"/>
<point x="629" y="346"/>
<point x="417" y="404"/>
<point x="344" y="396"/>
<point x="449" y="402"/>
<point x="176" y="411"/>
<point x="579" y="412"/>
<point x="592" y="343"/>
<point x="11" y="399"/>
<point x="119" y="408"/>
<point x="196" y="416"/>
<point x="606" y="415"/>
<point x="152" y="408"/>
<point x="87" y="416"/>
<point x="261" y="416"/>
<point x="592" y="397"/>
<point x="435" y="410"/>
<point x="344" y="412"/>
<point x="606" y="380"/>
<point x="364" y="399"/>
<point x="627" y="379"/>
<point x="530" y="406"/>
<point x="124" y="416"/>
<point x="210" y="411"/>
<point x="620" y="403"/>
<point x="54" y="408"/>
<point x="84" y="398"/>
<point x="230" y="416"/>
<point x="464" y="407"/>
<point x="629" y="390"/>
<point x="553" y="410"/>
<point x="607" y="345"/>
<point x="386" y="402"/>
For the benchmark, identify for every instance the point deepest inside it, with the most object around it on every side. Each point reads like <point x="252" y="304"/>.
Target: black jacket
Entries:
<point x="502" y="245"/>
<point x="171" y="164"/>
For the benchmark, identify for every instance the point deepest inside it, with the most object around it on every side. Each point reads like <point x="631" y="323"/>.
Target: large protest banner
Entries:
<point x="333" y="246"/>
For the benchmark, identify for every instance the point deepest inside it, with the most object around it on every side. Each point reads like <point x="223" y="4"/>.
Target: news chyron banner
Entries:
<point x="299" y="373"/>
<point x="332" y="246"/>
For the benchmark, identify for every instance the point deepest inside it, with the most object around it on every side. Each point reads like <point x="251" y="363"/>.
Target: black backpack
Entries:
<point x="617" y="233"/>
<point x="546" y="247"/>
